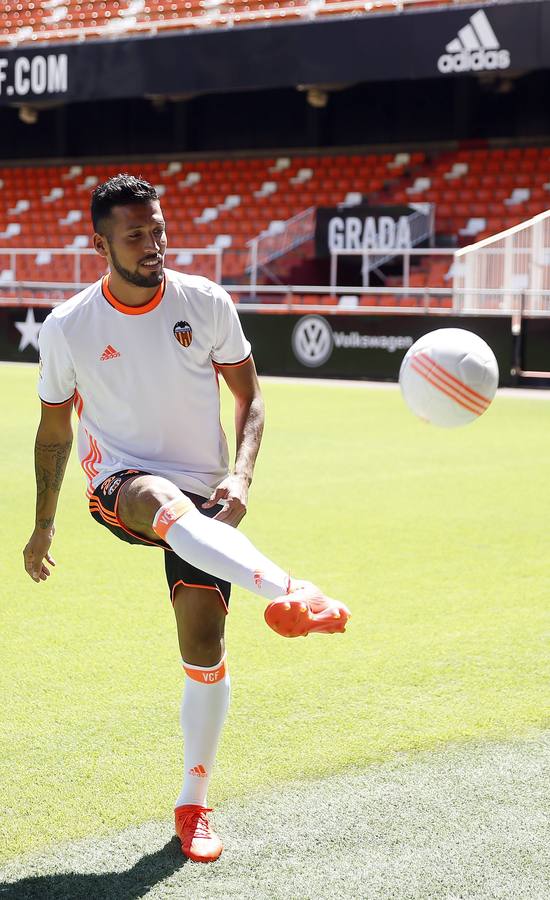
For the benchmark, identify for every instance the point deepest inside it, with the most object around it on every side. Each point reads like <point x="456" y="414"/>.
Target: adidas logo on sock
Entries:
<point x="199" y="771"/>
<point x="109" y="353"/>
<point x="475" y="49"/>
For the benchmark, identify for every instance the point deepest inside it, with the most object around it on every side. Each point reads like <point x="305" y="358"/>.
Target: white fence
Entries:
<point x="515" y="260"/>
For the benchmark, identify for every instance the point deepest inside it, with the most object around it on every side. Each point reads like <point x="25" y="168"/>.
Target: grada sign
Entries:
<point x="354" y="233"/>
<point x="365" y="227"/>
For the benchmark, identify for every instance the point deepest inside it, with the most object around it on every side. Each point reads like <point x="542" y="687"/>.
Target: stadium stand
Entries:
<point x="224" y="203"/>
<point x="67" y="20"/>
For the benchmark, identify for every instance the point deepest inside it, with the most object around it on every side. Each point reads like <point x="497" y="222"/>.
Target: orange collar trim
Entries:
<point x="132" y="310"/>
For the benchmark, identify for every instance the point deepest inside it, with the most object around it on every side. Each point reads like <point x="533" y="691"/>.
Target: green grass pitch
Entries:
<point x="436" y="539"/>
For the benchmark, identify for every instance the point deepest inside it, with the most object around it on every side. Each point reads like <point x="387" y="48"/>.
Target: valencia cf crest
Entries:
<point x="183" y="333"/>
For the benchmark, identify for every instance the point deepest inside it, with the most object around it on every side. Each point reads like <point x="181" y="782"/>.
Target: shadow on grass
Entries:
<point x="129" y="885"/>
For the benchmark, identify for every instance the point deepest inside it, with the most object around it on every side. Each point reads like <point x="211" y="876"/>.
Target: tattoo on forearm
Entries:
<point x="50" y="461"/>
<point x="45" y="523"/>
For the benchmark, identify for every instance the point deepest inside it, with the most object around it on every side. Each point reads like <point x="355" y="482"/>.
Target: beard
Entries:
<point x="136" y="278"/>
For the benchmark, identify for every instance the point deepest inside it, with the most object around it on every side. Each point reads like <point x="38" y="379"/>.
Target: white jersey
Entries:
<point x="144" y="380"/>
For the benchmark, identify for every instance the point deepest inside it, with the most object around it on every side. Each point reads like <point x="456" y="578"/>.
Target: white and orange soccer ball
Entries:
<point x="449" y="377"/>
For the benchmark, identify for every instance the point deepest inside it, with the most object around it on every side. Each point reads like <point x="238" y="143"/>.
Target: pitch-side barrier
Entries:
<point x="331" y="300"/>
<point x="300" y="330"/>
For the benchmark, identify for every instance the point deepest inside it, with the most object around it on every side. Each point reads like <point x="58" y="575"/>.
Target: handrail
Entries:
<point x="265" y="248"/>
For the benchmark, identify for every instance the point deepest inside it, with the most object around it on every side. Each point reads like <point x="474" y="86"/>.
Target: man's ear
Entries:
<point x="100" y="245"/>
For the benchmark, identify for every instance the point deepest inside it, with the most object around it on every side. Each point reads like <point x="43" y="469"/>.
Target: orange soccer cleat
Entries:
<point x="198" y="841"/>
<point x="305" y="610"/>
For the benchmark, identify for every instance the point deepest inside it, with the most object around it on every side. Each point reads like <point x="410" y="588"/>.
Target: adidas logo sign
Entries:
<point x="475" y="49"/>
<point x="109" y="353"/>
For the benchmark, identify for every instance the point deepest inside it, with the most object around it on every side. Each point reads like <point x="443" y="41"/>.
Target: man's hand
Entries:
<point x="38" y="550"/>
<point x="233" y="493"/>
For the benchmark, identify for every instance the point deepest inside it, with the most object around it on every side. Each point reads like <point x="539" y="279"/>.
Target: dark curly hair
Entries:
<point x="120" y="190"/>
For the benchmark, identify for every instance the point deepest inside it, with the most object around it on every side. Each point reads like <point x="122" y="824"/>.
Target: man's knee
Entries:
<point x="141" y="497"/>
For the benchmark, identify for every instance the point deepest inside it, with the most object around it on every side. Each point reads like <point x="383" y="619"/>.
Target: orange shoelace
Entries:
<point x="196" y="821"/>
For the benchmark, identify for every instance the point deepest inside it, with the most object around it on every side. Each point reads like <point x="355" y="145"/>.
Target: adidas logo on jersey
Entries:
<point x="475" y="49"/>
<point x="109" y="353"/>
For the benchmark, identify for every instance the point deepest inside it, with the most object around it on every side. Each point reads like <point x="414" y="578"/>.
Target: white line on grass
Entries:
<point x="461" y="823"/>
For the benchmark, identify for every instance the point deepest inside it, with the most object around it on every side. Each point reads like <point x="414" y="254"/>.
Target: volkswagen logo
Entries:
<point x="312" y="341"/>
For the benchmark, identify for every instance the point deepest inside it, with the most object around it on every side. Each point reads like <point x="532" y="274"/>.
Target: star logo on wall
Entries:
<point x="29" y="331"/>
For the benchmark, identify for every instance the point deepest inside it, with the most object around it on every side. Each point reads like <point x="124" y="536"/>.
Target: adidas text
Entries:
<point x="476" y="61"/>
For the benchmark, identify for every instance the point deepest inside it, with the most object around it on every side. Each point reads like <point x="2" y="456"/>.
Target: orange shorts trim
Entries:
<point x="202" y="587"/>
<point x="103" y="506"/>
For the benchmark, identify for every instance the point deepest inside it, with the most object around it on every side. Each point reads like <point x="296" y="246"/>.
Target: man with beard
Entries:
<point x="138" y="355"/>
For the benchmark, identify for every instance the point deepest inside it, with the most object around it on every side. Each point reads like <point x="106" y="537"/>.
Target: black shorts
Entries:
<point x="104" y="509"/>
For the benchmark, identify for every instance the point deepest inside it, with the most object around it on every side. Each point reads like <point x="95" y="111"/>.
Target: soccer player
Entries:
<point x="138" y="355"/>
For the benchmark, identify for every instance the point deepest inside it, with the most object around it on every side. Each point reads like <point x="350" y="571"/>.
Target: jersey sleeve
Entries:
<point x="231" y="347"/>
<point x="57" y="381"/>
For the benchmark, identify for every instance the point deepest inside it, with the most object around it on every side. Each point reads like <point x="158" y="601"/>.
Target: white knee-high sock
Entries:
<point x="219" y="549"/>
<point x="204" y="707"/>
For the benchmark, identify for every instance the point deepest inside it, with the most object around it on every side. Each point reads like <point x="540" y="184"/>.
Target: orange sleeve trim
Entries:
<point x="233" y="365"/>
<point x="131" y="310"/>
<point x="61" y="403"/>
<point x="206" y="676"/>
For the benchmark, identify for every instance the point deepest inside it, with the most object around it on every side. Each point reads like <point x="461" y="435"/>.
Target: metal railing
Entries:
<point x="268" y="247"/>
<point x="80" y="272"/>
<point x="414" y="301"/>
<point x="391" y="253"/>
<point x="329" y="301"/>
<point x="517" y="259"/>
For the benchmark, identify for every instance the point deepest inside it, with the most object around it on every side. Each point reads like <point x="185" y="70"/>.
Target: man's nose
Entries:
<point x="153" y="243"/>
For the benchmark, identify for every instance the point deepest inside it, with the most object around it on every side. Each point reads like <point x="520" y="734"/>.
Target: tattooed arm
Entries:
<point x="51" y="452"/>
